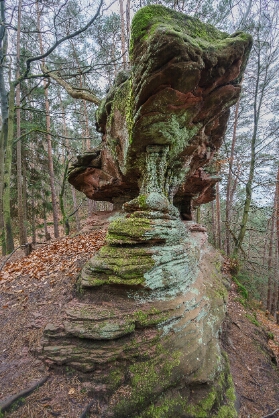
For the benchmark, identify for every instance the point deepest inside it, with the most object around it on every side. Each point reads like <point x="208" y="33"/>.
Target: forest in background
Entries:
<point x="59" y="58"/>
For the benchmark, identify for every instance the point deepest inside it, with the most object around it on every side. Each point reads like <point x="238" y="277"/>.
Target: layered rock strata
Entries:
<point x="147" y="325"/>
<point x="185" y="76"/>
<point x="152" y="303"/>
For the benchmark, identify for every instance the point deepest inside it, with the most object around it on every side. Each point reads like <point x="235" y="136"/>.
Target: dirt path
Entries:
<point x="253" y="363"/>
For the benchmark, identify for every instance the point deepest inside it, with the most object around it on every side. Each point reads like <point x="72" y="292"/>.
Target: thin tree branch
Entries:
<point x="75" y="211"/>
<point x="60" y="41"/>
<point x="76" y="93"/>
<point x="47" y="133"/>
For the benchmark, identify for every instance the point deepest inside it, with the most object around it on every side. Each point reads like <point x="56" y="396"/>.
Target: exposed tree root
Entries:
<point x="7" y="403"/>
<point x="272" y="414"/>
<point x="86" y="410"/>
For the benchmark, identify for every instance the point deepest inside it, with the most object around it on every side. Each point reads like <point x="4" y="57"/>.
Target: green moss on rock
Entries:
<point x="148" y="380"/>
<point x="148" y="18"/>
<point x="215" y="400"/>
<point x="149" y="318"/>
<point x="154" y="15"/>
<point x="130" y="229"/>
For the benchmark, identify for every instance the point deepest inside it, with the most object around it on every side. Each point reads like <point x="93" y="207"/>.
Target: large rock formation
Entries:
<point x="153" y="298"/>
<point x="185" y="75"/>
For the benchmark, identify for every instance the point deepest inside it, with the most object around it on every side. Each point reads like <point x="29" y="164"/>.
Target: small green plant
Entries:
<point x="253" y="284"/>
<point x="70" y="371"/>
<point x="270" y="336"/>
<point x="253" y="319"/>
<point x="17" y="404"/>
<point x="241" y="289"/>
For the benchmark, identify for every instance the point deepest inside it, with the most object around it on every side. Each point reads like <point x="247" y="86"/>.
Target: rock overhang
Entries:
<point x="155" y="295"/>
<point x="184" y="77"/>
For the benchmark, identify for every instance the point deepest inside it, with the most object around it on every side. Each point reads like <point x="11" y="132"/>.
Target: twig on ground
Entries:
<point x="86" y="410"/>
<point x="272" y="414"/>
<point x="3" y="264"/>
<point x="27" y="246"/>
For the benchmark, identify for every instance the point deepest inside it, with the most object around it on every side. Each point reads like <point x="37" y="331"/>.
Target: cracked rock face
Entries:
<point x="153" y="299"/>
<point x="185" y="76"/>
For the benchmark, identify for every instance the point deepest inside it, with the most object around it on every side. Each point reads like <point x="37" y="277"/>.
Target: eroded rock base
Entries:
<point x="146" y="324"/>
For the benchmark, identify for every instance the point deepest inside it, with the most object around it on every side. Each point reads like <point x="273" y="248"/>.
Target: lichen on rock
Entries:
<point x="185" y="75"/>
<point x="154" y="297"/>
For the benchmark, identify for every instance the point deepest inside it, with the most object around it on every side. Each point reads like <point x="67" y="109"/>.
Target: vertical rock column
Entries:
<point x="145" y="244"/>
<point x="153" y="201"/>
<point x="156" y="165"/>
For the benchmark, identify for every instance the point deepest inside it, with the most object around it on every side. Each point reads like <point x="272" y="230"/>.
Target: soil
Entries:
<point x="35" y="289"/>
<point x="252" y="343"/>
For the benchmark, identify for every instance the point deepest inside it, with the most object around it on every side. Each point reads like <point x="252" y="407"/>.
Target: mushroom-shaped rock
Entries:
<point x="185" y="76"/>
<point x="154" y="297"/>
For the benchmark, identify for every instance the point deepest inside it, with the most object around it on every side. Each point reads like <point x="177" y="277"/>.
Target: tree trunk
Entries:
<point x="90" y="208"/>
<point x="24" y="190"/>
<point x="49" y="144"/>
<point x="128" y="23"/>
<point x="274" y="305"/>
<point x="123" y="43"/>
<point x="4" y="115"/>
<point x="277" y="208"/>
<point x="65" y="133"/>
<point x="269" y="265"/>
<point x="21" y="219"/>
<point x="7" y="173"/>
<point x="51" y="168"/>
<point x="47" y="234"/>
<point x="260" y="86"/>
<point x="213" y="224"/>
<point x="276" y="289"/>
<point x="248" y="199"/>
<point x="33" y="219"/>
<point x="75" y="208"/>
<point x="61" y="200"/>
<point x="229" y="185"/>
<point x="2" y="229"/>
<point x="218" y="217"/>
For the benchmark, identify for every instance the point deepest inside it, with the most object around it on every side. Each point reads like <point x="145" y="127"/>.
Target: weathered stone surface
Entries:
<point x="154" y="297"/>
<point x="185" y="75"/>
<point x="165" y="339"/>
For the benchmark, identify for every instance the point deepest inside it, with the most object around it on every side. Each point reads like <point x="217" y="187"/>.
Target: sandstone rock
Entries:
<point x="185" y="75"/>
<point x="154" y="297"/>
<point x="164" y="340"/>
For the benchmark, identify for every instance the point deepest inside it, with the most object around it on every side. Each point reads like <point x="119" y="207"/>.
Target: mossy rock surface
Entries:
<point x="154" y="297"/>
<point x="152" y="349"/>
<point x="185" y="75"/>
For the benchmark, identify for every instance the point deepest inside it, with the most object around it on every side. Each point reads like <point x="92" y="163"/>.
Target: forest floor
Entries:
<point x="34" y="290"/>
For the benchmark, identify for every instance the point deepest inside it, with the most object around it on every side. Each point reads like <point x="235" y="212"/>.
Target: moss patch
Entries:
<point x="148" y="380"/>
<point x="148" y="17"/>
<point x="128" y="230"/>
<point x="216" y="400"/>
<point x="149" y="318"/>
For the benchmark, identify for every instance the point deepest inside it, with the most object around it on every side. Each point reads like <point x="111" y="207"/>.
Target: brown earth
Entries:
<point x="246" y="339"/>
<point x="34" y="290"/>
